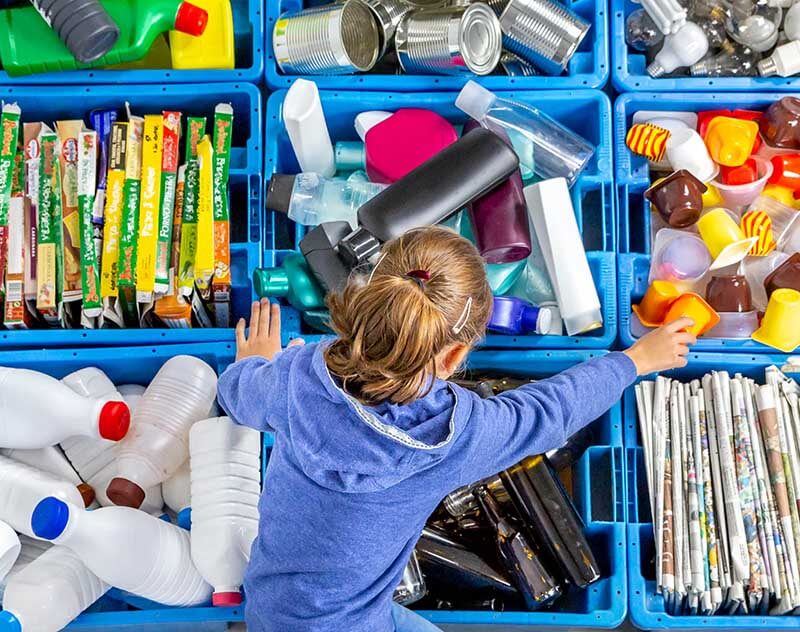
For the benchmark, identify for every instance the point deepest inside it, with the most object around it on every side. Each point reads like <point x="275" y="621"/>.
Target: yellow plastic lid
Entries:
<point x="213" y="50"/>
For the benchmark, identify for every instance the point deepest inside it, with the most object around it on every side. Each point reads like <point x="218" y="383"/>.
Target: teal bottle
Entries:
<point x="293" y="280"/>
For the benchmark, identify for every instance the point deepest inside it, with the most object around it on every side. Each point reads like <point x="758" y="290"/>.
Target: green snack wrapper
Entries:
<point x="196" y="130"/>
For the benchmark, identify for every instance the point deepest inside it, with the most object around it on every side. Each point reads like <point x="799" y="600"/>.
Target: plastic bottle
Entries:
<point x="453" y="178"/>
<point x="37" y="411"/>
<point x="181" y="393"/>
<point x="126" y="548"/>
<point x="293" y="280"/>
<point x="514" y="316"/>
<point x="226" y="486"/>
<point x="28" y="45"/>
<point x="308" y="132"/>
<point x="83" y="25"/>
<point x="30" y="549"/>
<point x="319" y="247"/>
<point x="310" y="199"/>
<point x="214" y="49"/>
<point x="51" y="460"/>
<point x="9" y="549"/>
<point x="21" y="489"/>
<point x="132" y="394"/>
<point x="49" y="592"/>
<point x="177" y="490"/>
<point x="559" y="152"/>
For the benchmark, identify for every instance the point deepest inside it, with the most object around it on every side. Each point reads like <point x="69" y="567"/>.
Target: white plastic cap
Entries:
<point x="367" y="120"/>
<point x="544" y="321"/>
<point x="556" y="326"/>
<point x="475" y="100"/>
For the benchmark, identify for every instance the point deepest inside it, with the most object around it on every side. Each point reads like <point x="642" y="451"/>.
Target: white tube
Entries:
<point x="307" y="129"/>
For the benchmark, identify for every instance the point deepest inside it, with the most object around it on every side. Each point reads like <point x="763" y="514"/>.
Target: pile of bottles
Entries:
<point x="724" y="223"/>
<point x="717" y="38"/>
<point x="510" y="542"/>
<point x="108" y="227"/>
<point x="433" y="37"/>
<point x="58" y="35"/>
<point x="114" y="450"/>
<point x="512" y="168"/>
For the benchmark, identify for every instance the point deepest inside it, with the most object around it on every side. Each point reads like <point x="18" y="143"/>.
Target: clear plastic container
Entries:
<point x="737" y="325"/>
<point x="177" y="490"/>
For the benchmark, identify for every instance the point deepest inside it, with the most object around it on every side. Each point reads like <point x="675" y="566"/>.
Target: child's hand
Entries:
<point x="265" y="332"/>
<point x="662" y="349"/>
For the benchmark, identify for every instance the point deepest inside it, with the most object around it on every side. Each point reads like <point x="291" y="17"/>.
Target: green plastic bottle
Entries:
<point x="28" y="45"/>
<point x="293" y="280"/>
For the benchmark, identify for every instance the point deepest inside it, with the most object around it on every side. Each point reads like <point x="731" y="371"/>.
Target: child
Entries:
<point x="369" y="435"/>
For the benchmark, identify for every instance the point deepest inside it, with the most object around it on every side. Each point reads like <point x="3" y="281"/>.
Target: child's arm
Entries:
<point x="253" y="389"/>
<point x="541" y="416"/>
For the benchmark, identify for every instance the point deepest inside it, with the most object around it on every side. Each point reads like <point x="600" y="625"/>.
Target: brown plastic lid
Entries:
<point x="125" y="493"/>
<point x="87" y="494"/>
<point x="786" y="275"/>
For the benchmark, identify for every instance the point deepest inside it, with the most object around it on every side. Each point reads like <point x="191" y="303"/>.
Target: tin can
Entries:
<point x="333" y="39"/>
<point x="450" y="41"/>
<point x="514" y="66"/>
<point x="388" y="14"/>
<point x="542" y="32"/>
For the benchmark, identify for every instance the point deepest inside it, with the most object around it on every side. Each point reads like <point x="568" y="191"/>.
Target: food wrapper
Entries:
<point x="16" y="315"/>
<point x="68" y="132"/>
<point x="204" y="257"/>
<point x="48" y="236"/>
<point x="169" y="179"/>
<point x="149" y="205"/>
<point x="126" y="280"/>
<point x="87" y="185"/>
<point x="112" y="219"/>
<point x="221" y="283"/>
<point x="196" y="131"/>
<point x="33" y="157"/>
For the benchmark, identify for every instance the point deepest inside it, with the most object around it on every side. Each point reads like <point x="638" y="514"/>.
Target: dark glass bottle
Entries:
<point x="531" y="578"/>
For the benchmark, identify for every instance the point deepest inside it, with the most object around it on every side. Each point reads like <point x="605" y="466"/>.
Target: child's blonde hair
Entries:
<point x="428" y="290"/>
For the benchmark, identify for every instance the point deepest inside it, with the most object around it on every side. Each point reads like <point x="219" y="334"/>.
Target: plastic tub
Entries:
<point x="633" y="178"/>
<point x="245" y="190"/>
<point x="629" y="74"/>
<point x="588" y="68"/>
<point x="248" y="27"/>
<point x="647" y="608"/>
<point x="584" y="111"/>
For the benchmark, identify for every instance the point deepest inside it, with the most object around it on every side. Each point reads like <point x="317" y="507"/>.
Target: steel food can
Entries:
<point x="450" y="41"/>
<point x="388" y="14"/>
<point x="333" y="39"/>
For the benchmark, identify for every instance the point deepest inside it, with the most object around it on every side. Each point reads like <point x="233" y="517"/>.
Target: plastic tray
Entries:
<point x="585" y="111"/>
<point x="633" y="178"/>
<point x="52" y="103"/>
<point x="133" y="365"/>
<point x="248" y="26"/>
<point x="588" y="68"/>
<point x="629" y="74"/>
<point x="646" y="607"/>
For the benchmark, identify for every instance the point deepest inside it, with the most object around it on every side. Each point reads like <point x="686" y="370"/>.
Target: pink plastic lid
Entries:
<point x="404" y="141"/>
<point x="222" y="599"/>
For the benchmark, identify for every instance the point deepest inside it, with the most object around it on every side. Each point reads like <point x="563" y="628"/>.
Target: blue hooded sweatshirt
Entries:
<point x="349" y="487"/>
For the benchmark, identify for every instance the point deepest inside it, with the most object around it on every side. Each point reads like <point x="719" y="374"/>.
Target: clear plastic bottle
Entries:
<point x="177" y="490"/>
<point x="49" y="592"/>
<point x="226" y="486"/>
<point x="126" y="548"/>
<point x="559" y="152"/>
<point x="310" y="199"/>
<point x="9" y="549"/>
<point x="181" y="393"/>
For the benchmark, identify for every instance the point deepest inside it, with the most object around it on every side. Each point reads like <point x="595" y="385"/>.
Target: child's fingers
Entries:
<point x="263" y="327"/>
<point x="683" y="350"/>
<point x="255" y="314"/>
<point x="240" y="339"/>
<point x="685" y="338"/>
<point x="677" y="325"/>
<point x="275" y="321"/>
<point x="297" y="342"/>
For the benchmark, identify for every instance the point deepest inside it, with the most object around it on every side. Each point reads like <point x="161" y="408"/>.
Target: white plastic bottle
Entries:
<point x="180" y="394"/>
<point x="23" y="487"/>
<point x="30" y="549"/>
<point x="132" y="394"/>
<point x="51" y="460"/>
<point x="226" y="486"/>
<point x="9" y="549"/>
<point x="308" y="132"/>
<point x="29" y="398"/>
<point x="49" y="592"/>
<point x="126" y="548"/>
<point x="177" y="490"/>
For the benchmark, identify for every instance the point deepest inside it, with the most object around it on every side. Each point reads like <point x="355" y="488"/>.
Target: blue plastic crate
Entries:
<point x="248" y="26"/>
<point x="646" y="607"/>
<point x="245" y="190"/>
<point x="629" y="67"/>
<point x="585" y="111"/>
<point x="588" y="68"/>
<point x="633" y="179"/>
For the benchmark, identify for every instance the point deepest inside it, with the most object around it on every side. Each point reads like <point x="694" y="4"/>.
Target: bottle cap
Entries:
<point x="270" y="282"/>
<point x="9" y="623"/>
<point x="279" y="193"/>
<point x="49" y="518"/>
<point x="104" y="34"/>
<point x="87" y="494"/>
<point x="185" y="518"/>
<point x="115" y="419"/>
<point x="191" y="19"/>
<point x="125" y="493"/>
<point x="535" y="319"/>
<point x="222" y="599"/>
<point x="475" y="100"/>
<point x="350" y="155"/>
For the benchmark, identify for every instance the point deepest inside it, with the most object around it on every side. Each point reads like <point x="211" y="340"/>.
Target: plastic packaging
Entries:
<point x="553" y="219"/>
<point x="786" y="171"/>
<point x="132" y="394"/>
<point x="730" y="140"/>
<point x="9" y="549"/>
<point x="49" y="592"/>
<point x="729" y="293"/>
<point x="84" y="27"/>
<point x="780" y="327"/>
<point x="214" y="49"/>
<point x="684" y="47"/>
<point x="678" y="198"/>
<point x="559" y="152"/>
<point x="687" y="151"/>
<point x="734" y="325"/>
<point x="226" y="485"/>
<point x="737" y="195"/>
<point x="786" y="275"/>
<point x="51" y="460"/>
<point x="723" y="237"/>
<point x="319" y="249"/>
<point x="293" y="280"/>
<point x="180" y="394"/>
<point x="756" y="270"/>
<point x="28" y="397"/>
<point x="653" y="308"/>
<point x="780" y="125"/>
<point x="21" y="489"/>
<point x="307" y="129"/>
<point x="127" y="549"/>
<point x="693" y="306"/>
<point x="514" y="316"/>
<point x="679" y="257"/>
<point x="177" y="491"/>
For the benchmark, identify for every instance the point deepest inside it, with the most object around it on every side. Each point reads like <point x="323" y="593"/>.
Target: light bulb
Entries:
<point x="641" y="32"/>
<point x="754" y="24"/>
<point x="791" y="23"/>
<point x="686" y="47"/>
<point x="668" y="15"/>
<point x="734" y="61"/>
<point x="784" y="61"/>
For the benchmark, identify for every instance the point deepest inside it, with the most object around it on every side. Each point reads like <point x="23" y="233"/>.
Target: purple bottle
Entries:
<point x="513" y="316"/>
<point x="500" y="218"/>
